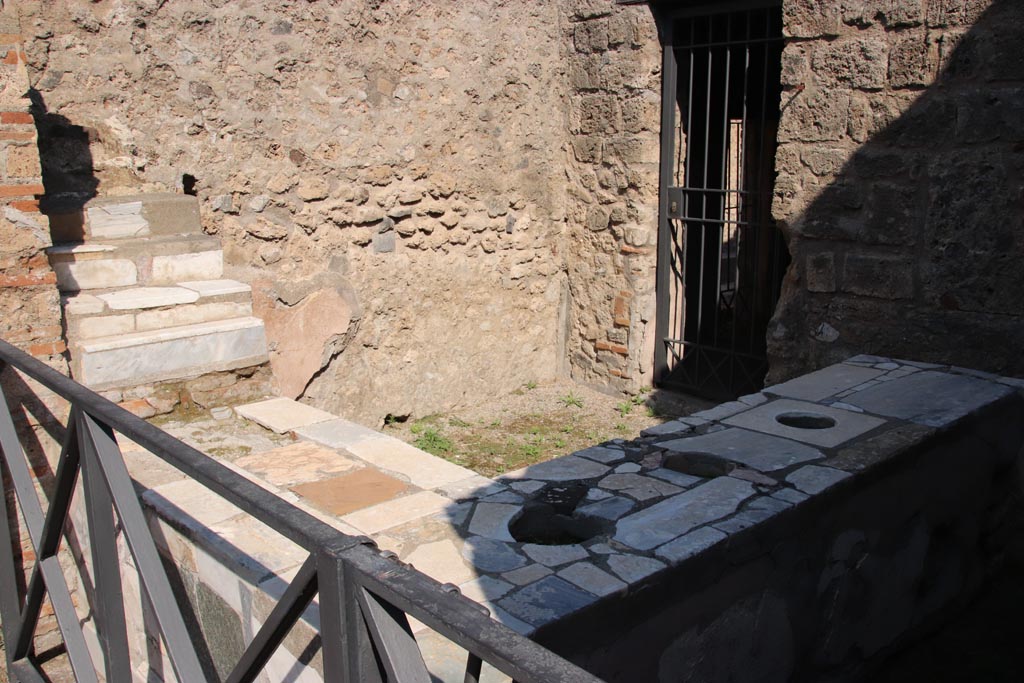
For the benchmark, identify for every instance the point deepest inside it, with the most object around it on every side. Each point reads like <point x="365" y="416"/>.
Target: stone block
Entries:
<point x="812" y="479"/>
<point x="561" y="469"/>
<point x="633" y="568"/>
<point x="440" y="560"/>
<point x="591" y="579"/>
<point x="116" y="221"/>
<point x="283" y="415"/>
<point x="689" y="545"/>
<point x="545" y="601"/>
<point x="882" y="276"/>
<point x="492" y="556"/>
<point x="673" y="517"/>
<point x="147" y="297"/>
<point x="351" y="491"/>
<point x="554" y="555"/>
<point x="190" y="315"/>
<point x="858" y="63"/>
<point x="95" y="274"/>
<point x="810" y="18"/>
<point x="762" y="452"/>
<point x="819" y="116"/>
<point x="806" y="422"/>
<point x="822" y="384"/>
<point x="173" y="268"/>
<point x="398" y="511"/>
<point x="186" y="351"/>
<point x="910" y="63"/>
<point x="491" y="520"/>
<point x="933" y="399"/>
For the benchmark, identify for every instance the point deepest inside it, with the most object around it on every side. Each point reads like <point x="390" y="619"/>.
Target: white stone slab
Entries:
<point x="440" y="560"/>
<point x="190" y="314"/>
<point x="73" y="276"/>
<point x="114" y="221"/>
<point x="78" y="248"/>
<point x="826" y="382"/>
<point x="398" y="511"/>
<point x="386" y="452"/>
<point x="148" y="297"/>
<point x="677" y="515"/>
<point x="216" y="287"/>
<point x="177" y="352"/>
<point x="485" y="589"/>
<point x="105" y="326"/>
<point x="282" y="415"/>
<point x="172" y="268"/>
<point x="848" y="425"/>
<point x="83" y="304"/>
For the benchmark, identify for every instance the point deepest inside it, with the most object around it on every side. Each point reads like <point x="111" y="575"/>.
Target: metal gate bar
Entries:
<point x="721" y="258"/>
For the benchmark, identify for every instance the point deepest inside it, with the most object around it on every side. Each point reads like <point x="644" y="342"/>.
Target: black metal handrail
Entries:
<point x="365" y="597"/>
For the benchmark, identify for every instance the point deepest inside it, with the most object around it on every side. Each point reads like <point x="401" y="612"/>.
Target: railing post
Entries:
<point x="348" y="650"/>
<point x="109" y="595"/>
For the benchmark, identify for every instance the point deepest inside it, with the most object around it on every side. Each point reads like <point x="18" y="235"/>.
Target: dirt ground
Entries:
<point x="537" y="422"/>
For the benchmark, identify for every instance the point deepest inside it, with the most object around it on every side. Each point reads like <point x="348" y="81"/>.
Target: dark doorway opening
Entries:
<point x="721" y="257"/>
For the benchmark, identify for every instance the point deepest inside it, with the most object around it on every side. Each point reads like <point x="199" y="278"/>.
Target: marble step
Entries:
<point x="159" y="260"/>
<point x="180" y="352"/>
<point x="102" y="313"/>
<point x="141" y="215"/>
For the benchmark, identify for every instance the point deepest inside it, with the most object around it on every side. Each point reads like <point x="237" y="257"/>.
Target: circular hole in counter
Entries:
<point x="801" y="420"/>
<point x="697" y="464"/>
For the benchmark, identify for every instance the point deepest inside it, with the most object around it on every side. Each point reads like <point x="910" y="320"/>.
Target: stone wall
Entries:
<point x="31" y="318"/>
<point x="899" y="183"/>
<point x="614" y="63"/>
<point x="390" y="175"/>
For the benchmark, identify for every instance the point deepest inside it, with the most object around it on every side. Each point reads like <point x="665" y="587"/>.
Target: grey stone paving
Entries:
<point x="566" y="468"/>
<point x="491" y="520"/>
<point x="759" y="451"/>
<point x="490" y="555"/>
<point x="814" y="479"/>
<point x="949" y="397"/>
<point x="545" y="600"/>
<point x="756" y="511"/>
<point x="283" y="414"/>
<point x="591" y="579"/>
<point x="609" y="508"/>
<point x="632" y="568"/>
<point x="826" y="382"/>
<point x="690" y="544"/>
<point x="638" y="486"/>
<point x="554" y="555"/>
<point x="602" y="454"/>
<point x="675" y="516"/>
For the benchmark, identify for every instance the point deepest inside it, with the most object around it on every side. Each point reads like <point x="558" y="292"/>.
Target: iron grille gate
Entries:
<point x="721" y="257"/>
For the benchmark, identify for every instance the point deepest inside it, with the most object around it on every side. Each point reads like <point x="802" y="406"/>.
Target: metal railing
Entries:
<point x="365" y="598"/>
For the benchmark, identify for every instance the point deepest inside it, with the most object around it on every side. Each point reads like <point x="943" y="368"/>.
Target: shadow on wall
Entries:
<point x="66" y="160"/>
<point x="913" y="249"/>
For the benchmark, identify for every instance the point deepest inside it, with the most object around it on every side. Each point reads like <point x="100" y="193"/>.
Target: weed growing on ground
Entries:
<point x="433" y="442"/>
<point x="531" y="385"/>
<point x="571" y="400"/>
<point x="624" y="408"/>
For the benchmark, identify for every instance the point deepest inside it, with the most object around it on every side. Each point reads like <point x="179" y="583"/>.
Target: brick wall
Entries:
<point x="31" y="317"/>
<point x="900" y="183"/>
